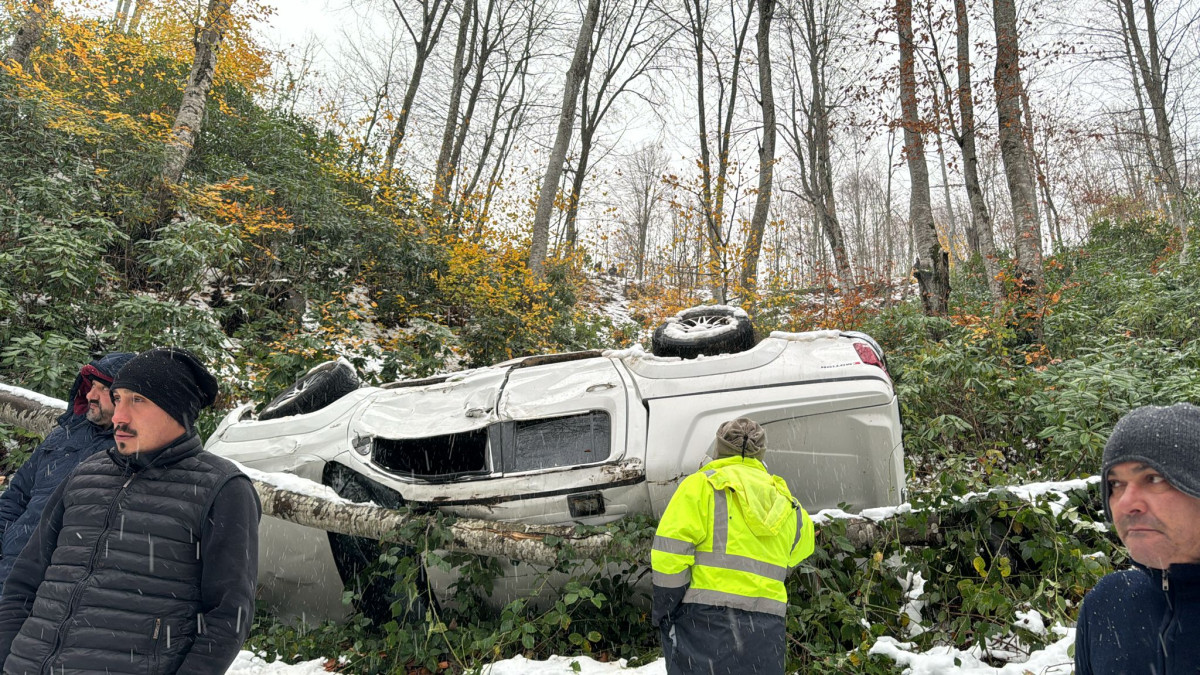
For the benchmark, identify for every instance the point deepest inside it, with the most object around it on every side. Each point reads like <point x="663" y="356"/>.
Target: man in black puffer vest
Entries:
<point x="146" y="557"/>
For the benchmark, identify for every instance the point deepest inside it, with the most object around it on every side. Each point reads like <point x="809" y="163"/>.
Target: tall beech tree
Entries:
<point x="981" y="236"/>
<point x="766" y="154"/>
<point x="562" y="139"/>
<point x="30" y="32"/>
<point x="195" y="93"/>
<point x="811" y="31"/>
<point x="932" y="264"/>
<point x="715" y="166"/>
<point x="1153" y="71"/>
<point x="468" y="32"/>
<point x="1014" y="153"/>
<point x="630" y="35"/>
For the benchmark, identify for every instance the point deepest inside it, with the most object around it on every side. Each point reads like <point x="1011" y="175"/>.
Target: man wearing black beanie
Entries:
<point x="146" y="557"/>
<point x="1147" y="619"/>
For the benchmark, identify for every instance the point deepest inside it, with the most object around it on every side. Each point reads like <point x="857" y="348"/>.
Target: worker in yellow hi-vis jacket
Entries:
<point x="721" y="554"/>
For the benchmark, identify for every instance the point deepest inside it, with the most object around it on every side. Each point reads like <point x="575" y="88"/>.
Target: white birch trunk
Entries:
<point x="195" y="92"/>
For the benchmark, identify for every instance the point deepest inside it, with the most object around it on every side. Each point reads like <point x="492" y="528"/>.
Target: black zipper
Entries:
<point x="78" y="590"/>
<point x="1163" y="638"/>
<point x="157" y="646"/>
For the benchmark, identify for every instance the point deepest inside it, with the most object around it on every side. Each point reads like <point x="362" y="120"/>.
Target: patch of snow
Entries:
<point x="637" y="352"/>
<point x="294" y="483"/>
<point x="1031" y="491"/>
<point x="566" y="665"/>
<point x="40" y="399"/>
<point x="737" y="311"/>
<point x="1030" y="621"/>
<point x="248" y="663"/>
<point x="914" y="587"/>
<point x="807" y="336"/>
<point x="947" y="660"/>
<point x="877" y="514"/>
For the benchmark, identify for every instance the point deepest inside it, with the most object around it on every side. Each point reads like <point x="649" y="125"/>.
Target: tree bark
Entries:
<point x="980" y="218"/>
<point x="29" y="34"/>
<point x="766" y="155"/>
<point x="195" y="94"/>
<point x="1154" y="80"/>
<point x="121" y="16"/>
<point x="1013" y="151"/>
<point x="562" y="140"/>
<point x="444" y="170"/>
<point x="1143" y="124"/>
<point x="932" y="265"/>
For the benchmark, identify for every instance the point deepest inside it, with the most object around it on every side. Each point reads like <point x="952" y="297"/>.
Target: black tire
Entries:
<point x="705" y="330"/>
<point x="354" y="556"/>
<point x="314" y="390"/>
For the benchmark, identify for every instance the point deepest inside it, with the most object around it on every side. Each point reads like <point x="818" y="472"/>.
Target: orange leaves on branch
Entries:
<point x="231" y="202"/>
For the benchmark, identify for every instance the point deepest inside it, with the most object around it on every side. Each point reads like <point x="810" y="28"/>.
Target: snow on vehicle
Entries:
<point x="585" y="437"/>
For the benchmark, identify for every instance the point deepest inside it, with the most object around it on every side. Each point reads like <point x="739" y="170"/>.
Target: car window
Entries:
<point x="557" y="442"/>
<point x="434" y="457"/>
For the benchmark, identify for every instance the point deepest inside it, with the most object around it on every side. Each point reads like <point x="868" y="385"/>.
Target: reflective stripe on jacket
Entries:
<point x="730" y="535"/>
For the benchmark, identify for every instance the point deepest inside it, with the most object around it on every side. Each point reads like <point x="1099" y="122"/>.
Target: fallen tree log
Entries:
<point x="27" y="414"/>
<point x="538" y="545"/>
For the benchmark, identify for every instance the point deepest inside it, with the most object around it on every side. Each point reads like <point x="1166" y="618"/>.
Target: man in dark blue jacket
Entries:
<point x="146" y="556"/>
<point x="84" y="429"/>
<point x="1146" y="620"/>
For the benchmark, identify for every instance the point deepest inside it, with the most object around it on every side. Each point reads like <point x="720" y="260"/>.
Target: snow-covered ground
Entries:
<point x="1053" y="660"/>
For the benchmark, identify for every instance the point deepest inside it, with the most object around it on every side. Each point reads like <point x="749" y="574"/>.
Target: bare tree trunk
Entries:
<point x="766" y="155"/>
<point x="570" y="235"/>
<point x="932" y="265"/>
<point x="562" y="140"/>
<point x="361" y="153"/>
<point x="433" y="19"/>
<point x="643" y="178"/>
<point x="121" y="16"/>
<point x="813" y="143"/>
<point x="489" y="41"/>
<point x="29" y="34"/>
<point x="713" y="188"/>
<point x="1154" y="80"/>
<point x="509" y="76"/>
<point x="1009" y="91"/>
<point x="139" y="8"/>
<point x="1143" y="124"/>
<point x="981" y="219"/>
<point x="951" y="220"/>
<point x="195" y="92"/>
<point x="444" y="170"/>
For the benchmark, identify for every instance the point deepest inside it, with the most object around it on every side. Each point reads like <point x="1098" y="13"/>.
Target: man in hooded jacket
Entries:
<point x="146" y="556"/>
<point x="83" y="430"/>
<point x="722" y="551"/>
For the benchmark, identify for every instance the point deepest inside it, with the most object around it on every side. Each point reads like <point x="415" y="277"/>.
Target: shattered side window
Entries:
<point x="558" y="442"/>
<point x="435" y="457"/>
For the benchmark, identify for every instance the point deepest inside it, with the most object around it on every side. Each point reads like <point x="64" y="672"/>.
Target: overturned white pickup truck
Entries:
<point x="584" y="437"/>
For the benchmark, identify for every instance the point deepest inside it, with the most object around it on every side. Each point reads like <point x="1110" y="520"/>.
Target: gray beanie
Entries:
<point x="1164" y="438"/>
<point x="742" y="437"/>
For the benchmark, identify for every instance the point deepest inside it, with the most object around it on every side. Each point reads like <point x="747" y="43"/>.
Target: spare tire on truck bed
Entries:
<point x="314" y="390"/>
<point x="705" y="330"/>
